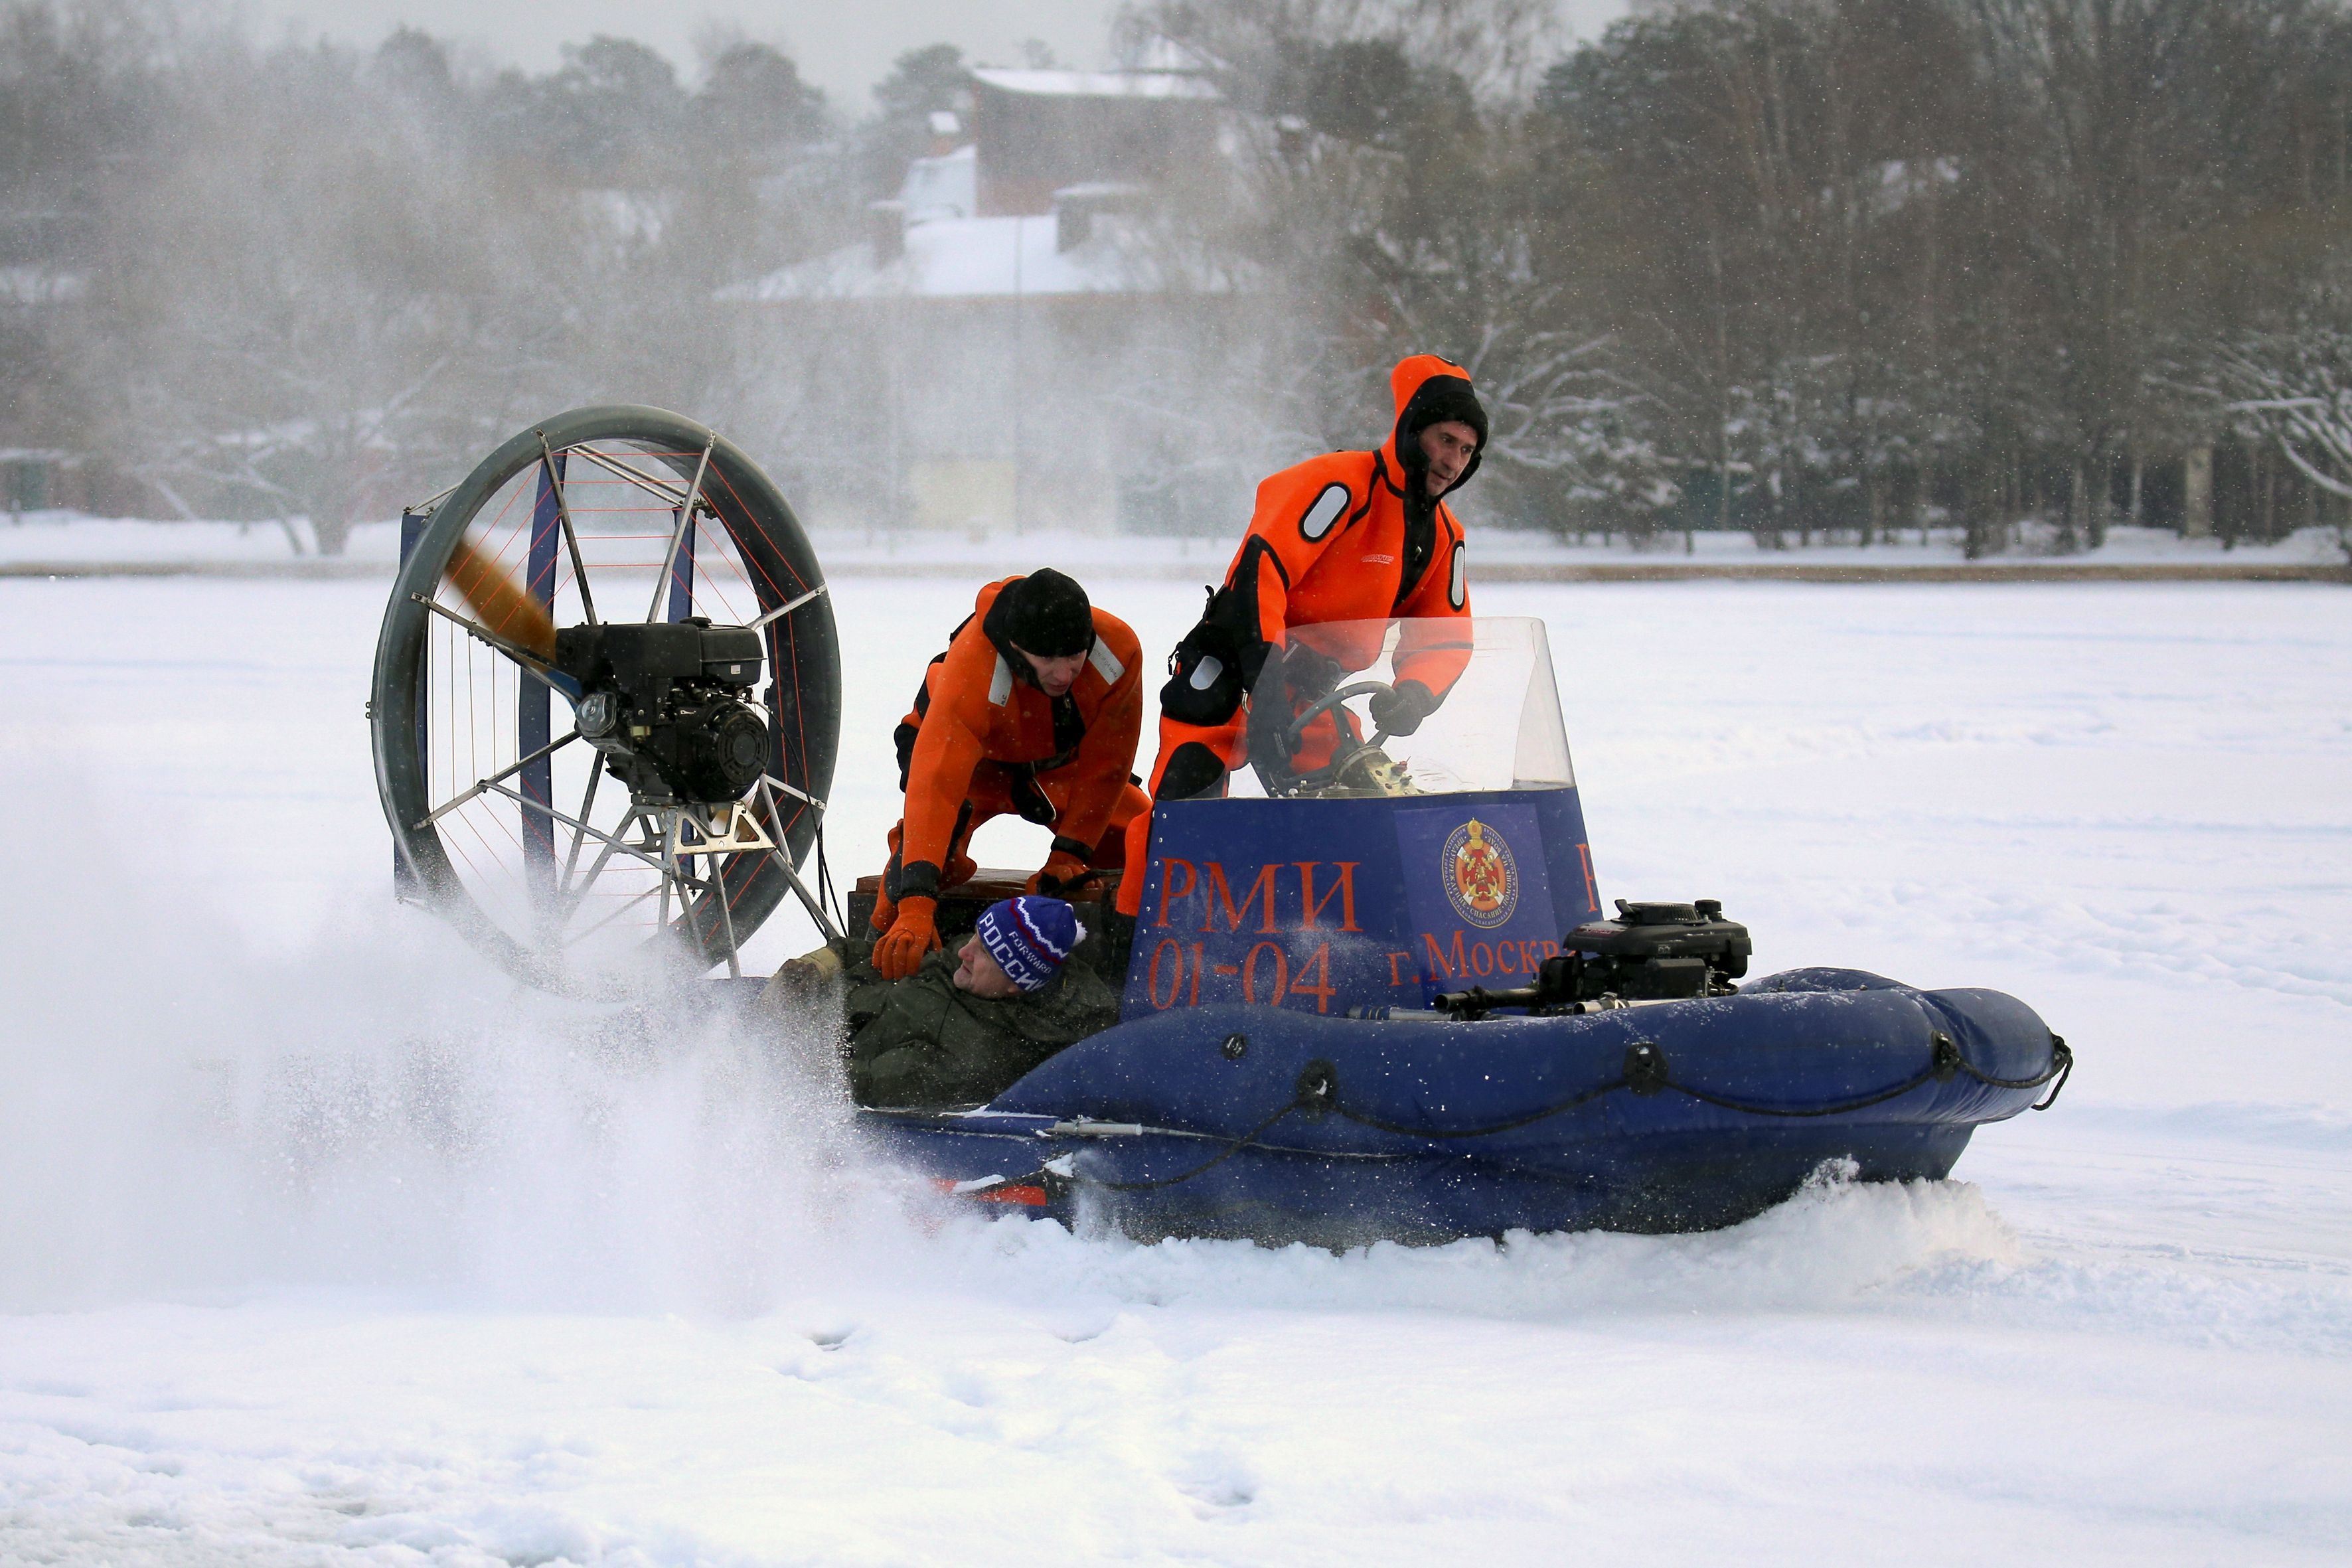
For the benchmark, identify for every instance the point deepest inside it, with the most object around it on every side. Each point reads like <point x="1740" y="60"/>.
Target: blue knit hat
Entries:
<point x="1030" y="938"/>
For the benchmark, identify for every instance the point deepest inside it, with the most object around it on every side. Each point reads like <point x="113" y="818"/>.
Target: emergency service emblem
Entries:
<point x="1482" y="880"/>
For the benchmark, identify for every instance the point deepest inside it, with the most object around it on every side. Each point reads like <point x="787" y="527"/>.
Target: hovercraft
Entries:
<point x="1372" y="995"/>
<point x="1371" y="992"/>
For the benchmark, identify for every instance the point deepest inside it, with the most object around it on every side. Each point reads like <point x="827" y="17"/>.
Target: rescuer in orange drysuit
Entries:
<point x="1035" y="709"/>
<point x="1347" y="537"/>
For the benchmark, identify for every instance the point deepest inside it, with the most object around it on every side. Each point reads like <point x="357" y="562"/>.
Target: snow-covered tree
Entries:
<point x="2294" y="386"/>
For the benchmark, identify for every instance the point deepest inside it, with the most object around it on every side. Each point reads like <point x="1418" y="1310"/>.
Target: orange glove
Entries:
<point x="1061" y="877"/>
<point x="914" y="933"/>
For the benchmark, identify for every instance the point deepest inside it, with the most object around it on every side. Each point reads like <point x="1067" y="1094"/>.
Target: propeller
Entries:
<point x="501" y="603"/>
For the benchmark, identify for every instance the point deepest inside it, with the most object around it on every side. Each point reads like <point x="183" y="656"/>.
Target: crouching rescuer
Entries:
<point x="963" y="1028"/>
<point x="1363" y="538"/>
<point x="1034" y="710"/>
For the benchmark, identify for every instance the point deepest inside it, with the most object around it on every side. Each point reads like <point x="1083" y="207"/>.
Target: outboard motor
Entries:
<point x="1650" y="952"/>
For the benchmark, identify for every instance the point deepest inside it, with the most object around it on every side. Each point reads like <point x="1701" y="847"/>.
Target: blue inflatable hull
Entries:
<point x="1283" y="1125"/>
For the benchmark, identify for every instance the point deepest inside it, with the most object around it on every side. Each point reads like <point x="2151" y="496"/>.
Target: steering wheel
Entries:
<point x="1324" y="704"/>
<point x="1280" y="781"/>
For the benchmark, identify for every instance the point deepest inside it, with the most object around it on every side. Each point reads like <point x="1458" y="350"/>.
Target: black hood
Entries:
<point x="1434" y="401"/>
<point x="1046" y="613"/>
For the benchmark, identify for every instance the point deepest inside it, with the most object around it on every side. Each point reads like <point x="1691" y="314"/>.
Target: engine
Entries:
<point x="1650" y="952"/>
<point x="666" y="704"/>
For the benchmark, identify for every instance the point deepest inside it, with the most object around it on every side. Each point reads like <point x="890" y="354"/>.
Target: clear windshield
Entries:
<point x="1316" y="724"/>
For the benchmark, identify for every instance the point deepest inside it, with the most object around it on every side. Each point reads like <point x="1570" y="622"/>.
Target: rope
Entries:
<point x="1751" y="1109"/>
<point x="1227" y="1152"/>
<point x="1645" y="1074"/>
<point x="2058" y="1048"/>
<point x="825" y="895"/>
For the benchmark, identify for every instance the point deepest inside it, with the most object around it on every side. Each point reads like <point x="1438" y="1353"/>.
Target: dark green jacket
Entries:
<point x="920" y="1042"/>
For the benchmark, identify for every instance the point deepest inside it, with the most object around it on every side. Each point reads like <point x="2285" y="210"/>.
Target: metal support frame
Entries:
<point x="781" y="611"/>
<point x="515" y="651"/>
<point x="652" y="485"/>
<point x="481" y="785"/>
<point x="678" y="537"/>
<point x="552" y="471"/>
<point x="730" y="830"/>
<point x="646" y="854"/>
<point x="816" y="910"/>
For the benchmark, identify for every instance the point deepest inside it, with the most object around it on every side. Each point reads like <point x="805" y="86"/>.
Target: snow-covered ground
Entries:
<point x="320" y="1244"/>
<point x="66" y="539"/>
<point x="847" y="551"/>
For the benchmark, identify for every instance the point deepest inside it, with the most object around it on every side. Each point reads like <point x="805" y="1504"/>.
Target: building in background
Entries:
<point x="1038" y="132"/>
<point x="1016" y="345"/>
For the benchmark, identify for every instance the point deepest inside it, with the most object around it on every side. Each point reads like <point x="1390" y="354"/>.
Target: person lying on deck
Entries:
<point x="965" y="1026"/>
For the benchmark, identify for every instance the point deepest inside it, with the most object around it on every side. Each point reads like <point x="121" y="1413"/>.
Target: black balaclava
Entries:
<point x="1048" y="614"/>
<point x="1434" y="401"/>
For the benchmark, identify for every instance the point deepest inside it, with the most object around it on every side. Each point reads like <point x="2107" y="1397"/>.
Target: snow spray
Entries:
<point x="184" y="1115"/>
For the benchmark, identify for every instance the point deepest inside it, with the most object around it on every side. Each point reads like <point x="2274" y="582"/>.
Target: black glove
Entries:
<point x="1269" y="727"/>
<point x="1401" y="708"/>
<point x="1307" y="675"/>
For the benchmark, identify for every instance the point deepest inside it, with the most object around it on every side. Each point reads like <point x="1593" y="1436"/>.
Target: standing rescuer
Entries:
<point x="1035" y="709"/>
<point x="1349" y="536"/>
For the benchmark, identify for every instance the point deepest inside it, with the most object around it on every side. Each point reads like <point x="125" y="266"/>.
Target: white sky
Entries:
<point x="844" y="48"/>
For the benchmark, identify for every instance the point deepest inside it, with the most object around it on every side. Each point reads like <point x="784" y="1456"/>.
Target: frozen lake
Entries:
<point x="320" y="1244"/>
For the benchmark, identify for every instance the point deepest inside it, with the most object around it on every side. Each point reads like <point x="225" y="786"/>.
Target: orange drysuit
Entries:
<point x="984" y="740"/>
<point x="1339" y="538"/>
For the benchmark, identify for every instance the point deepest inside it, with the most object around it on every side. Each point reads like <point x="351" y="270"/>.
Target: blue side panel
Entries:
<point x="1401" y="898"/>
<point x="681" y="575"/>
<point x="680" y="605"/>
<point x="533" y="700"/>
